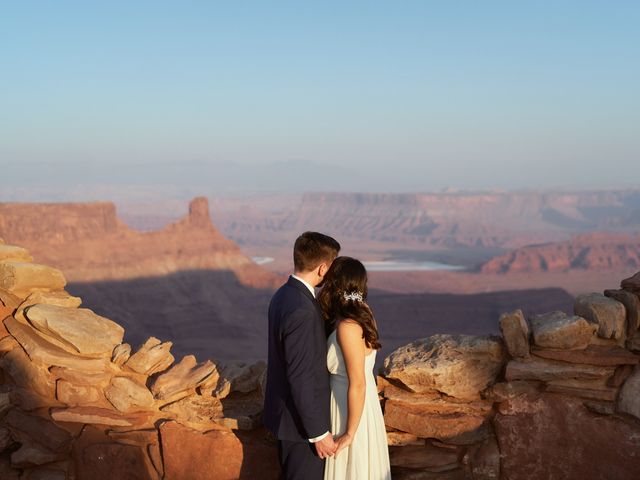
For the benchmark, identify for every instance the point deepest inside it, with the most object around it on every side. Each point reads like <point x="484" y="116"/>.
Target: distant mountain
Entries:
<point x="595" y="251"/>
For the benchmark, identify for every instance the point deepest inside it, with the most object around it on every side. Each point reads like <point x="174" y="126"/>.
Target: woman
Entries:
<point x="356" y="416"/>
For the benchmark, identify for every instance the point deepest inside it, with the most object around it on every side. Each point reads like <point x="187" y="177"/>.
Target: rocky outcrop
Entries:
<point x="561" y="402"/>
<point x="55" y="233"/>
<point x="596" y="251"/>
<point x="555" y="397"/>
<point x="76" y="403"/>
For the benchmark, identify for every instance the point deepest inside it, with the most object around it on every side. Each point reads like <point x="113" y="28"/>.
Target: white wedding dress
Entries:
<point x="367" y="458"/>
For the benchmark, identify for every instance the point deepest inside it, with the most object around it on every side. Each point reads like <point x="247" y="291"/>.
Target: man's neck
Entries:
<point x="308" y="278"/>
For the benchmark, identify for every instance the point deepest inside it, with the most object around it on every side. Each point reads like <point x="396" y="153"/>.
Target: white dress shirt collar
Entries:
<point x="311" y="289"/>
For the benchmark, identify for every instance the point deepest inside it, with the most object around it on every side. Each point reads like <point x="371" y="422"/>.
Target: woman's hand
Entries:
<point x="343" y="441"/>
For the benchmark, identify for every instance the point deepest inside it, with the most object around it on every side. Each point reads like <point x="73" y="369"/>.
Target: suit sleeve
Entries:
<point x="299" y="347"/>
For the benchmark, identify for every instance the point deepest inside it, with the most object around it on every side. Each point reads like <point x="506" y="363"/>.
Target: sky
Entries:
<point x="376" y="95"/>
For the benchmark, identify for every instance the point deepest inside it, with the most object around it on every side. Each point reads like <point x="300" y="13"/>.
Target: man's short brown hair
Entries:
<point x="313" y="248"/>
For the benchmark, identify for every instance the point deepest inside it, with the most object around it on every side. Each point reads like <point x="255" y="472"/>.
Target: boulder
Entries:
<point x="26" y="374"/>
<point x="46" y="353"/>
<point x="631" y="304"/>
<point x="457" y="365"/>
<point x="12" y="253"/>
<point x="152" y="357"/>
<point x="484" y="460"/>
<point x="602" y="355"/>
<point x="21" y="278"/>
<point x="515" y="332"/>
<point x="79" y="330"/>
<point x="121" y="353"/>
<point x="196" y="411"/>
<point x="127" y="395"/>
<point x="399" y="439"/>
<point x="181" y="379"/>
<point x="435" y="403"/>
<point x="557" y="330"/>
<point x="241" y="455"/>
<point x="555" y="436"/>
<point x="629" y="399"/>
<point x="59" y="298"/>
<point x="607" y="313"/>
<point x="72" y="394"/>
<point x="502" y="391"/>
<point x="546" y="370"/>
<point x="631" y="284"/>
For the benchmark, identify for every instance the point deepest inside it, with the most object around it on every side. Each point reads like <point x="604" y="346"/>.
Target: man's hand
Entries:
<point x="325" y="447"/>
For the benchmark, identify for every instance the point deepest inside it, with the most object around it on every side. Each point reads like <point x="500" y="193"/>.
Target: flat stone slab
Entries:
<point x="152" y="357"/>
<point x="14" y="253"/>
<point x="60" y="298"/>
<point x="78" y="328"/>
<point x="182" y="378"/>
<point x="27" y="374"/>
<point x="39" y="350"/>
<point x="592" y="355"/>
<point x="546" y="370"/>
<point x="97" y="416"/>
<point x="557" y="330"/>
<point x="127" y="395"/>
<point x="457" y="365"/>
<point x="607" y="313"/>
<point x="21" y="278"/>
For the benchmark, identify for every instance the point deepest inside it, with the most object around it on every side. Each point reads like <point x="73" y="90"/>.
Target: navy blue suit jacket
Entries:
<point x="297" y="395"/>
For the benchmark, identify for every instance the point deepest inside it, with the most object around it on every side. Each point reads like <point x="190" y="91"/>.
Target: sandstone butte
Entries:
<point x="77" y="403"/>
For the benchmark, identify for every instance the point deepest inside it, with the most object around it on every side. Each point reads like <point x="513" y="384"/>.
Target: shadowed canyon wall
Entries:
<point x="554" y="396"/>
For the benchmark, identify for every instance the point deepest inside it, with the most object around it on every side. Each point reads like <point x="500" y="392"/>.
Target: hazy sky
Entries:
<point x="409" y="95"/>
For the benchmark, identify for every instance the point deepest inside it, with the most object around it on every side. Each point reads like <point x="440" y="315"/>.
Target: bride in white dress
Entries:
<point x="356" y="416"/>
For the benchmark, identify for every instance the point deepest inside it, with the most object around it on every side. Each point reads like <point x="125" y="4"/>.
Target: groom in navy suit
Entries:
<point x="297" y="397"/>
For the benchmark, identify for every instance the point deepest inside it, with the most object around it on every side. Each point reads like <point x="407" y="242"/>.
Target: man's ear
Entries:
<point x="322" y="270"/>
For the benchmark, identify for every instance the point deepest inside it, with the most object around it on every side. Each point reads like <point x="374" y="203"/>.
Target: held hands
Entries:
<point x="343" y="441"/>
<point x="326" y="447"/>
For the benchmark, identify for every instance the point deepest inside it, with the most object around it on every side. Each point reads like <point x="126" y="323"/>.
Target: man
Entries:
<point x="297" y="397"/>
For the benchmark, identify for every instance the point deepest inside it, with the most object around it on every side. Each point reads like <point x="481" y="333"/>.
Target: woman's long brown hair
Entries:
<point x="345" y="276"/>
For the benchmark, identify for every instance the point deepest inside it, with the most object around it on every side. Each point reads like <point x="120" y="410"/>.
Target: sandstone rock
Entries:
<point x="241" y="377"/>
<point x="20" y="278"/>
<point x="181" y="379"/>
<point x="39" y="350"/>
<point x="484" y="460"/>
<point x="121" y="353"/>
<point x="515" y="331"/>
<point x="607" y="313"/>
<point x="148" y="439"/>
<point x="37" y="429"/>
<point x="73" y="395"/>
<point x="79" y="329"/>
<point x="557" y="330"/>
<point x="245" y="455"/>
<point x="152" y="357"/>
<point x="545" y="370"/>
<point x="426" y="457"/>
<point x="43" y="473"/>
<point x="546" y="437"/>
<point x="33" y="454"/>
<point x="399" y="439"/>
<point x="12" y="253"/>
<point x="413" y="419"/>
<point x="601" y="408"/>
<point x="505" y="390"/>
<point x="80" y="377"/>
<point x="127" y="395"/>
<point x="436" y="404"/>
<point x="632" y="284"/>
<point x="631" y="304"/>
<point x="629" y="399"/>
<point x="242" y="411"/>
<point x="592" y="355"/>
<point x="633" y="343"/>
<point x="7" y="344"/>
<point x="620" y="376"/>
<point x="401" y="473"/>
<point x="58" y="298"/>
<point x="5" y="438"/>
<point x="605" y="394"/>
<point x="25" y="373"/>
<point x="9" y="300"/>
<point x="458" y="365"/>
<point x="23" y="398"/>
<point x="7" y="472"/>
<point x="195" y="411"/>
<point x="98" y="457"/>
<point x="98" y="416"/>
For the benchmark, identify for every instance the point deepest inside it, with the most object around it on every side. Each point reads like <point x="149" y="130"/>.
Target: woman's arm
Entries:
<point x="353" y="350"/>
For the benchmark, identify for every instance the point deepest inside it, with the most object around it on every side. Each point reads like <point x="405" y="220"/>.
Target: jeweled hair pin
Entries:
<point x="356" y="296"/>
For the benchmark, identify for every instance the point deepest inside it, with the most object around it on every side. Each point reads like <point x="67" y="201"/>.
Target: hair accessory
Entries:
<point x="353" y="296"/>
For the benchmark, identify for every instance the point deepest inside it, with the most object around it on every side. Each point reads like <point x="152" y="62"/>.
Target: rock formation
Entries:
<point x="556" y="396"/>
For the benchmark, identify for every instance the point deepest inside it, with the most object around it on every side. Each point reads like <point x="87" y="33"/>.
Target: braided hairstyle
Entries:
<point x="347" y="277"/>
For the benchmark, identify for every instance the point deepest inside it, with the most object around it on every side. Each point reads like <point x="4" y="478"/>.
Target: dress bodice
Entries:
<point x="336" y="363"/>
